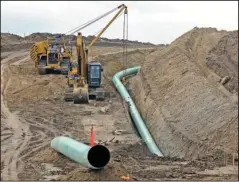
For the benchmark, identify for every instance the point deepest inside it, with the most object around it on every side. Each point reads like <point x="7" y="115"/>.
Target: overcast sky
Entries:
<point x="149" y="21"/>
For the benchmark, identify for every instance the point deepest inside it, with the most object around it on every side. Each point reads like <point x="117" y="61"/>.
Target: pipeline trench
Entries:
<point x="33" y="112"/>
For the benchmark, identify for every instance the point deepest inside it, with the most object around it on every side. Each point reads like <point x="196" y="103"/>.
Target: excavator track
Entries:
<point x="68" y="95"/>
<point x="64" y="72"/>
<point x="100" y="94"/>
<point x="42" y="71"/>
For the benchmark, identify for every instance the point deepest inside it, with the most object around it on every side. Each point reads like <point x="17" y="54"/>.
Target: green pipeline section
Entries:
<point x="138" y="121"/>
<point x="95" y="157"/>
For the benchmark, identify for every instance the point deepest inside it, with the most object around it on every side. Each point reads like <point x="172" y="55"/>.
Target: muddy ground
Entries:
<point x="33" y="112"/>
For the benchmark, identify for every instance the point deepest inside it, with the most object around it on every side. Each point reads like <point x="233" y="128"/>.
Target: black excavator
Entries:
<point x="86" y="80"/>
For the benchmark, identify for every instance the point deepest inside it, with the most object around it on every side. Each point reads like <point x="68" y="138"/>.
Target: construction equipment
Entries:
<point x="86" y="84"/>
<point x="72" y="73"/>
<point x="51" y="54"/>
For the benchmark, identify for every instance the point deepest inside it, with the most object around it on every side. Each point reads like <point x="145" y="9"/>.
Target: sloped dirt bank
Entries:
<point x="223" y="60"/>
<point x="189" y="113"/>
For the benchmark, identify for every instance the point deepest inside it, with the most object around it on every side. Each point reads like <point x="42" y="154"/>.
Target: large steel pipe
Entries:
<point x="137" y="119"/>
<point x="95" y="157"/>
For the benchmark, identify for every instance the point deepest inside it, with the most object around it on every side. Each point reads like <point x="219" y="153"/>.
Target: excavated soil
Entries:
<point x="223" y="60"/>
<point x="178" y="109"/>
<point x="188" y="111"/>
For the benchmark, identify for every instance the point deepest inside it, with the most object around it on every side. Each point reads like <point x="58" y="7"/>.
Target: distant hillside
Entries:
<point x="7" y="38"/>
<point x="42" y="36"/>
<point x="10" y="42"/>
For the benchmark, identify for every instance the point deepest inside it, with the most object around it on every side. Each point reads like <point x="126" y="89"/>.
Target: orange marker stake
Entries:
<point x="92" y="137"/>
<point x="125" y="178"/>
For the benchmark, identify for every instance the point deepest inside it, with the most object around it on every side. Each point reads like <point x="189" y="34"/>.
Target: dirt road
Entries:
<point x="36" y="117"/>
<point x="12" y="127"/>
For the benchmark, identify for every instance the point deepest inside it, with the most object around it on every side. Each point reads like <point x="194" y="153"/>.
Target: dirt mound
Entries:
<point x="30" y="87"/>
<point x="16" y="46"/>
<point x="186" y="109"/>
<point x="47" y="156"/>
<point x="11" y="42"/>
<point x="7" y="38"/>
<point x="114" y="62"/>
<point x="113" y="171"/>
<point x="223" y="60"/>
<point x="42" y="36"/>
<point x="35" y="37"/>
<point x="38" y="36"/>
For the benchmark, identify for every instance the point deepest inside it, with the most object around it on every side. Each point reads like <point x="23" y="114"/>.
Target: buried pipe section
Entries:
<point x="96" y="157"/>
<point x="137" y="119"/>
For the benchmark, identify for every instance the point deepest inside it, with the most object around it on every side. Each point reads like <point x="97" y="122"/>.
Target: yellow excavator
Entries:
<point x="85" y="85"/>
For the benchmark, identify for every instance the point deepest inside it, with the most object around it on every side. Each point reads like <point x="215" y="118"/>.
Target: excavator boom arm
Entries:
<point x="82" y="59"/>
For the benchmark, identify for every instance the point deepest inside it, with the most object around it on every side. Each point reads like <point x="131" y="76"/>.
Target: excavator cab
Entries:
<point x="94" y="74"/>
<point x="52" y="58"/>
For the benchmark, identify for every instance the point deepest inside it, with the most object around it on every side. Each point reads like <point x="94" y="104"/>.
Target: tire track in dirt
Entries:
<point x="43" y="133"/>
<point x="12" y="124"/>
<point x="19" y="133"/>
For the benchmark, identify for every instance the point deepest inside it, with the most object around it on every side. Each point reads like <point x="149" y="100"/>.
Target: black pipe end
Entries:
<point x="98" y="156"/>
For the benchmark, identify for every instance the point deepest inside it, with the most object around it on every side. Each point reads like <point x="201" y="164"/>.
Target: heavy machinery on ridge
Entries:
<point x="85" y="85"/>
<point x="50" y="55"/>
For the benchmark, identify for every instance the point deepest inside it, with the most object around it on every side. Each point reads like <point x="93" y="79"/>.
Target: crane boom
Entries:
<point x="81" y="27"/>
<point x="123" y="7"/>
<point x="82" y="52"/>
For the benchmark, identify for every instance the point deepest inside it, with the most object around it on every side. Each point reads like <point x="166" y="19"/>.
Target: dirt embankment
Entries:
<point x="223" y="60"/>
<point x="12" y="42"/>
<point x="102" y="41"/>
<point x="7" y="38"/>
<point x="188" y="112"/>
<point x="15" y="47"/>
<point x="114" y="62"/>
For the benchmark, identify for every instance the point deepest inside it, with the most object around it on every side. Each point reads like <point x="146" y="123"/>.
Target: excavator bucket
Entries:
<point x="81" y="95"/>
